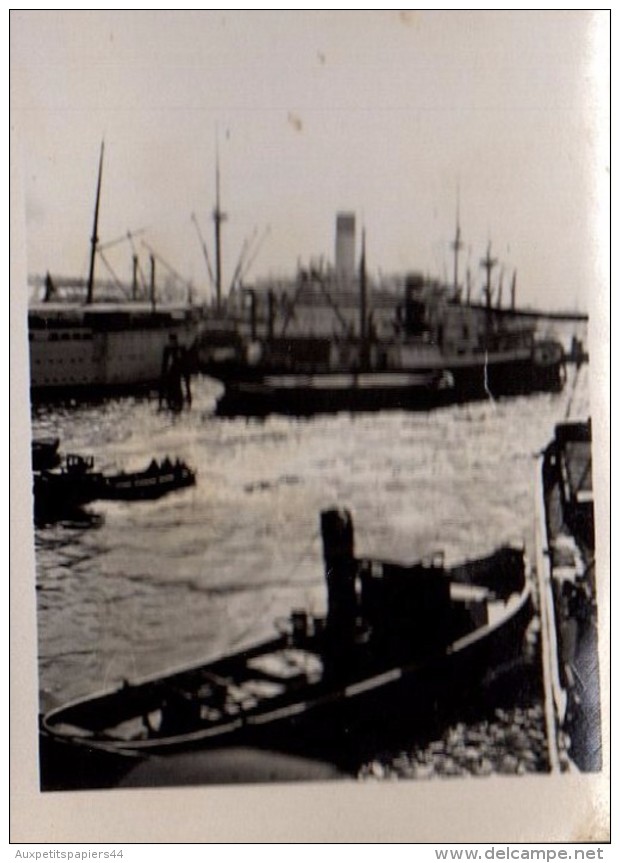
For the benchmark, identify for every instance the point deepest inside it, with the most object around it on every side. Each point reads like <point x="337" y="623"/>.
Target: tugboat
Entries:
<point x="77" y="483"/>
<point x="566" y="559"/>
<point x="397" y="639"/>
<point x="44" y="453"/>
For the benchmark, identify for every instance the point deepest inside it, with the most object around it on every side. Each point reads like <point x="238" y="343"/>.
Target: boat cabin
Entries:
<point x="393" y="607"/>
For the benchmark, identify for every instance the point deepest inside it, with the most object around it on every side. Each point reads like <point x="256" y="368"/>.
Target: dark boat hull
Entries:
<point x="355" y="722"/>
<point x="68" y="491"/>
<point x="255" y="394"/>
<point x="144" y="486"/>
<point x="339" y="732"/>
<point x="320" y="396"/>
<point x="64" y="491"/>
<point x="566" y="557"/>
<point x="45" y="455"/>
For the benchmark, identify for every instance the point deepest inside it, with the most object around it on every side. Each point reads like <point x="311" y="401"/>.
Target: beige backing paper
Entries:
<point x="570" y="808"/>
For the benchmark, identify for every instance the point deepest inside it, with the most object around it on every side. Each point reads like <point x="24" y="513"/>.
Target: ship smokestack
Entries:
<point x="345" y="247"/>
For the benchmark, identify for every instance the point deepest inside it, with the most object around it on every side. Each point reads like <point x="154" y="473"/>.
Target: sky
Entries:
<point x="395" y="116"/>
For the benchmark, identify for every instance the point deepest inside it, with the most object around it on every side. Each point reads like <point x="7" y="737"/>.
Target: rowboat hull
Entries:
<point x="303" y="691"/>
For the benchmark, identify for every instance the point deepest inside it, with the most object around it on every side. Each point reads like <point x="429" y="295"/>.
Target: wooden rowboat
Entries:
<point x="396" y="638"/>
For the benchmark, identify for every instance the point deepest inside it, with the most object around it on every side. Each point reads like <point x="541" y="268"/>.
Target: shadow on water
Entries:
<point x="70" y="517"/>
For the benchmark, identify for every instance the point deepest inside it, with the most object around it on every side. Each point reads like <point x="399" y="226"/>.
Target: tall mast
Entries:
<point x="487" y="263"/>
<point x="152" y="291"/>
<point x="94" y="239"/>
<point x="457" y="245"/>
<point x="218" y="218"/>
<point x="134" y="276"/>
<point x="500" y="289"/>
<point x="363" y="299"/>
<point x="204" y="250"/>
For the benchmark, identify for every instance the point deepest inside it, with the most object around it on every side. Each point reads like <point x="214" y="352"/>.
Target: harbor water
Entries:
<point x="133" y="589"/>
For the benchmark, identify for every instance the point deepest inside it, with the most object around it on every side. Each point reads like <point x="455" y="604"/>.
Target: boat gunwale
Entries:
<point x="550" y="477"/>
<point x="555" y="706"/>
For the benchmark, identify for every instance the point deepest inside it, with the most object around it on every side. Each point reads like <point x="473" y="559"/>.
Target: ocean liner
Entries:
<point x="97" y="347"/>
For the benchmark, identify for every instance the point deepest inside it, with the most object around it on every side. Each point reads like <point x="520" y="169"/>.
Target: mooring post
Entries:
<point x="340" y="570"/>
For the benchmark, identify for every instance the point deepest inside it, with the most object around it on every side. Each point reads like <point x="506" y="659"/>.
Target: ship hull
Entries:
<point x="566" y="560"/>
<point x="451" y="380"/>
<point x="90" y="352"/>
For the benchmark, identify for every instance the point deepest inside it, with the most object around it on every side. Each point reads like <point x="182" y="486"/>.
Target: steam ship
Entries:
<point x="99" y="347"/>
<point x="435" y="349"/>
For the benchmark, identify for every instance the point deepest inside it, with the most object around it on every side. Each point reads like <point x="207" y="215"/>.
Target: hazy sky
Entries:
<point x="385" y="114"/>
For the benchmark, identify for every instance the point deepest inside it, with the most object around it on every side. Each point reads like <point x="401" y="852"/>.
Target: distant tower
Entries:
<point x="345" y="247"/>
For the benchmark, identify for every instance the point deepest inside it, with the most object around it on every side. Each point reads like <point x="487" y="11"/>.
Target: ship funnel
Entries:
<point x="345" y="247"/>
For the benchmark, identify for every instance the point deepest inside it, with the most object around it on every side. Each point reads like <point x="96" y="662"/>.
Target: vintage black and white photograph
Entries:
<point x="310" y="355"/>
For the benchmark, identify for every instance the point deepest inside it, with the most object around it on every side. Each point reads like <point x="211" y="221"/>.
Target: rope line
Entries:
<point x="572" y="395"/>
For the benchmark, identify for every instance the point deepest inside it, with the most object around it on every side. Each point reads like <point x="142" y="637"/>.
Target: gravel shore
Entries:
<point x="510" y="742"/>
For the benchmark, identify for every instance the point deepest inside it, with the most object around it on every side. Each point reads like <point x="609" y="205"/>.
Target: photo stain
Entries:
<point x="295" y="121"/>
<point x="407" y="17"/>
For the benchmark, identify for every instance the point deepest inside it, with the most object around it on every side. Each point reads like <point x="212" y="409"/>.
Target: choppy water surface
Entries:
<point x="142" y="587"/>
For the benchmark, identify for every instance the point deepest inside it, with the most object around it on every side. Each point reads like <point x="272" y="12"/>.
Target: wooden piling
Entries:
<point x="340" y="569"/>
